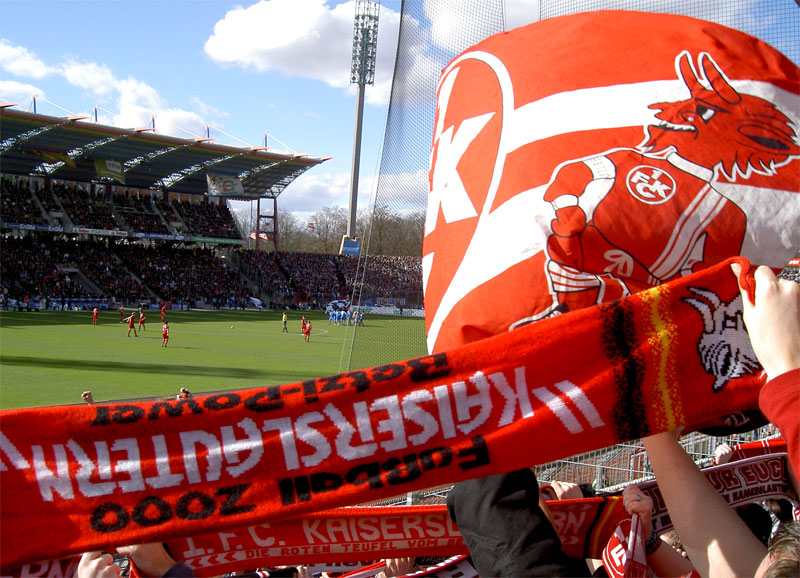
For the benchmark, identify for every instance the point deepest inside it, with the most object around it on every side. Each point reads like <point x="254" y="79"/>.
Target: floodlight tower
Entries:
<point x="362" y="72"/>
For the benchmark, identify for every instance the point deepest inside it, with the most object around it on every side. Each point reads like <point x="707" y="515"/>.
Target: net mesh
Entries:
<point x="433" y="33"/>
<point x="774" y="21"/>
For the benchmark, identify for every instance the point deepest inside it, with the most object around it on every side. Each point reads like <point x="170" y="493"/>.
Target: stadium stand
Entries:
<point x="30" y="268"/>
<point x="396" y="278"/>
<point x="83" y="208"/>
<point x="311" y="276"/>
<point x="265" y="272"/>
<point x="139" y="214"/>
<point x="56" y="272"/>
<point x="208" y="219"/>
<point x="18" y="205"/>
<point x="194" y="276"/>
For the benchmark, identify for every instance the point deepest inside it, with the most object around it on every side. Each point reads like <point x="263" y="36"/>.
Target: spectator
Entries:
<point x="506" y="529"/>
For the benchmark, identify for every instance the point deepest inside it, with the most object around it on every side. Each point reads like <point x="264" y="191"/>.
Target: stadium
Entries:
<point x="216" y="432"/>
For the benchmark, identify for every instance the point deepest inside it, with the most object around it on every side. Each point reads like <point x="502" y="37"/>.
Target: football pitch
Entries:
<point x="50" y="358"/>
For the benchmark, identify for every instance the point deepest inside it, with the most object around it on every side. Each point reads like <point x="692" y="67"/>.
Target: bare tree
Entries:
<point x="291" y="232"/>
<point x="243" y="221"/>
<point x="395" y="233"/>
<point x="327" y="228"/>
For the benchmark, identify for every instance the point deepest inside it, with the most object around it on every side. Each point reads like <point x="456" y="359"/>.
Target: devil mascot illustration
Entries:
<point x="609" y="239"/>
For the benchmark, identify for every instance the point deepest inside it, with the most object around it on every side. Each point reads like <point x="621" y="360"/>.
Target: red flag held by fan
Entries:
<point x="583" y="158"/>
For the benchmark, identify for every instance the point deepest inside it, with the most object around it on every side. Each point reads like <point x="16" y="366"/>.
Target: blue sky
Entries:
<point x="280" y="67"/>
<point x="246" y="68"/>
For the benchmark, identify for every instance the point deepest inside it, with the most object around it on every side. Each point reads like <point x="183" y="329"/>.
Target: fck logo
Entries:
<point x="650" y="185"/>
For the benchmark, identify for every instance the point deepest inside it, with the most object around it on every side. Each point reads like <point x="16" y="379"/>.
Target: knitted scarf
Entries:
<point x="99" y="476"/>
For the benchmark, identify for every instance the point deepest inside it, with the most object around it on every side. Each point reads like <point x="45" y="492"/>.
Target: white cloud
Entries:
<point x="401" y="191"/>
<point x="136" y="102"/>
<point x="181" y="123"/>
<point x="96" y="78"/>
<point x="19" y="92"/>
<point x="448" y="18"/>
<point x="316" y="189"/>
<point x="304" y="38"/>
<point x="205" y="109"/>
<point x="19" y="61"/>
<point x="295" y="37"/>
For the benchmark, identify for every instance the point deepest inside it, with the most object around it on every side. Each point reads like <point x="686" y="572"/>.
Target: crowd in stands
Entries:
<point x="85" y="209"/>
<point x="130" y="212"/>
<point x="208" y="219"/>
<point x="386" y="275"/>
<point x="166" y="209"/>
<point x="40" y="265"/>
<point x="283" y="277"/>
<point x="30" y="268"/>
<point x="48" y="200"/>
<point x="17" y="205"/>
<point x="184" y="275"/>
<point x="316" y="278"/>
<point x="103" y="268"/>
<point x="313" y="275"/>
<point x="263" y="268"/>
<point x="139" y="214"/>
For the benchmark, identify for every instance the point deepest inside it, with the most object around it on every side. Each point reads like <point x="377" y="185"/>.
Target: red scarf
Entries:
<point x="119" y="473"/>
<point x="351" y="535"/>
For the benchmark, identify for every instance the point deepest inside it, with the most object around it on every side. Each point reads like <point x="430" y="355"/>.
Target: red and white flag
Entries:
<point x="582" y="158"/>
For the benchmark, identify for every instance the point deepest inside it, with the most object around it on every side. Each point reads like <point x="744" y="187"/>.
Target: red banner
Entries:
<point x="348" y="536"/>
<point x="341" y="535"/>
<point x="740" y="482"/>
<point x="758" y="448"/>
<point x="582" y="158"/>
<point x="104" y="475"/>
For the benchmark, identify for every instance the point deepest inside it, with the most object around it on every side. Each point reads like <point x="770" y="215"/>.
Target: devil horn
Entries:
<point x="717" y="79"/>
<point x="705" y="312"/>
<point x="710" y="295"/>
<point x="688" y="74"/>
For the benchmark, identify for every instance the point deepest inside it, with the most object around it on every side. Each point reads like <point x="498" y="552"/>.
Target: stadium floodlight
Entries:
<point x="365" y="42"/>
<point x="362" y="72"/>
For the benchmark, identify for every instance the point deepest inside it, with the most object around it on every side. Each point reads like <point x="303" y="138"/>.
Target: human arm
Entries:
<point x="773" y="324"/>
<point x="717" y="541"/>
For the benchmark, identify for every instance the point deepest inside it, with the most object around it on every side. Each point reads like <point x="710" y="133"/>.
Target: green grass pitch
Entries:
<point x="50" y="358"/>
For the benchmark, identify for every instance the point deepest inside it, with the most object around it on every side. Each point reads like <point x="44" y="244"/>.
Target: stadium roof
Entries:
<point x="66" y="148"/>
